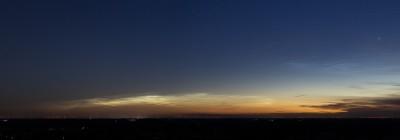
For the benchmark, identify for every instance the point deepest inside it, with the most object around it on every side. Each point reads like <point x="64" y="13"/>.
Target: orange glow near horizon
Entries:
<point x="190" y="103"/>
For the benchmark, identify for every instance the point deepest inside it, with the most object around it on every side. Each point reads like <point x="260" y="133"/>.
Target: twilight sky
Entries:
<point x="129" y="58"/>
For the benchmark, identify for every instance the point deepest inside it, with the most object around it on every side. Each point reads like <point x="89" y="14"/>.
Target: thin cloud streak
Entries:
<point x="367" y="107"/>
<point x="191" y="103"/>
<point x="199" y="102"/>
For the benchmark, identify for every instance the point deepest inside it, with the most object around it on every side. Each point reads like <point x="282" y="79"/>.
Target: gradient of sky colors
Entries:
<point x="127" y="58"/>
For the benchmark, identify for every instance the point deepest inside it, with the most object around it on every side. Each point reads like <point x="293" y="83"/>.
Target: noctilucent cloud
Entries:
<point x="150" y="58"/>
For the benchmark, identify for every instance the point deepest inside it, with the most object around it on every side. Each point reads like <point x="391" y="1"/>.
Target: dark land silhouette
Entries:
<point x="200" y="129"/>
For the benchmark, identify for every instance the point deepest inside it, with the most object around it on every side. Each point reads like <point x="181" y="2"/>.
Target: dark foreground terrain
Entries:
<point x="188" y="129"/>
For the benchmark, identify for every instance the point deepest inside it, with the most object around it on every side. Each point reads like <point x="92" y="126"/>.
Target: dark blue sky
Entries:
<point x="66" y="50"/>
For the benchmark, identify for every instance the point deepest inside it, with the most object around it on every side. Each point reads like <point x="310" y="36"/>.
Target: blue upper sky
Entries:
<point x="55" y="51"/>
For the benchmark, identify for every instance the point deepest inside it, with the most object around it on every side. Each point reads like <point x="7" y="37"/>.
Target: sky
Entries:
<point x="152" y="58"/>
